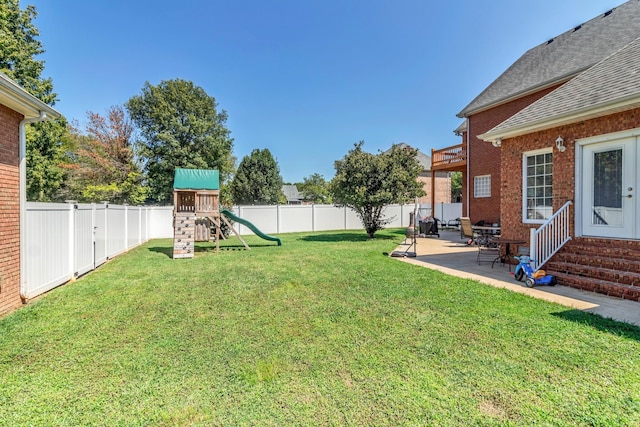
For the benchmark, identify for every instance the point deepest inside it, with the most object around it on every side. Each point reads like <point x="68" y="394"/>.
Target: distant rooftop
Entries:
<point x="425" y="161"/>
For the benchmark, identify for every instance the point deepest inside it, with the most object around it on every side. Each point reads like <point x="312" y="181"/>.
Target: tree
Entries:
<point x="456" y="186"/>
<point x="257" y="180"/>
<point x="180" y="128"/>
<point x="315" y="189"/>
<point x="368" y="182"/>
<point x="19" y="45"/>
<point x="104" y="167"/>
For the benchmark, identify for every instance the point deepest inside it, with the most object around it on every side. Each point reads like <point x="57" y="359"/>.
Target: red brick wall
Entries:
<point x="484" y="158"/>
<point x="443" y="187"/>
<point x="563" y="165"/>
<point x="9" y="209"/>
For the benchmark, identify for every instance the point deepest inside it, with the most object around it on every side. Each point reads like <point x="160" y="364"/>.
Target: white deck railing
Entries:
<point x="550" y="236"/>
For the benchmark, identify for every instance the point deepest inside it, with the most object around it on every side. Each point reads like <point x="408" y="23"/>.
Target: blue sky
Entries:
<point x="304" y="78"/>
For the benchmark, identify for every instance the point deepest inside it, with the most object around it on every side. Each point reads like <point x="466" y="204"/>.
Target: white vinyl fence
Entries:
<point x="64" y="241"/>
<point x="276" y="219"/>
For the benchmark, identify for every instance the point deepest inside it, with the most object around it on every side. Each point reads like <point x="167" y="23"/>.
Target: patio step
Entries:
<point x="610" y="267"/>
<point x="605" y="287"/>
<point x="608" y="248"/>
<point x="595" y="272"/>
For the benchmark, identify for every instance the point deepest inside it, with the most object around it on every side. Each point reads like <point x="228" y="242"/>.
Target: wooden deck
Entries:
<point x="452" y="158"/>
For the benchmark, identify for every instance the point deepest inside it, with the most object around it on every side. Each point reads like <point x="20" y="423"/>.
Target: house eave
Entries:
<point x="586" y="113"/>
<point x="18" y="99"/>
<point x="466" y="113"/>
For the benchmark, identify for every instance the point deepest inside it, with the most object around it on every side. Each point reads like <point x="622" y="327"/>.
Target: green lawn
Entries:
<point x="323" y="330"/>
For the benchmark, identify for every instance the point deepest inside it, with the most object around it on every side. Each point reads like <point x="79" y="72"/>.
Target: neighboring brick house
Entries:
<point x="442" y="181"/>
<point x="17" y="108"/>
<point x="572" y="149"/>
<point x="537" y="73"/>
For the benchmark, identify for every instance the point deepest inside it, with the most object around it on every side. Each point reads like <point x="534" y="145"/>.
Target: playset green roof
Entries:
<point x="196" y="179"/>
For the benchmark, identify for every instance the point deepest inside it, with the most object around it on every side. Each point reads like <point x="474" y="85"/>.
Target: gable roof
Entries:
<point x="291" y="193"/>
<point x="18" y="99"/>
<point x="196" y="179"/>
<point x="609" y="86"/>
<point x="462" y="127"/>
<point x="562" y="57"/>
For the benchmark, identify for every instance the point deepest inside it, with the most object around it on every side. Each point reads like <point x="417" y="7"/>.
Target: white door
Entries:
<point x="609" y="188"/>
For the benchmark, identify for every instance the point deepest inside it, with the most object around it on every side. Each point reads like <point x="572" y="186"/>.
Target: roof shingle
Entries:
<point x="562" y="57"/>
<point x="608" y="83"/>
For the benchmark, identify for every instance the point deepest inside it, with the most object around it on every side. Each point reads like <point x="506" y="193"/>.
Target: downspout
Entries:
<point x="468" y="171"/>
<point x="22" y="168"/>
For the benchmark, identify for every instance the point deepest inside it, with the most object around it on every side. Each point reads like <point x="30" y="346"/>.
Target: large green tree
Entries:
<point x="180" y="127"/>
<point x="315" y="189"/>
<point x="456" y="186"/>
<point x="104" y="166"/>
<point x="367" y="182"/>
<point x="46" y="141"/>
<point x="257" y="180"/>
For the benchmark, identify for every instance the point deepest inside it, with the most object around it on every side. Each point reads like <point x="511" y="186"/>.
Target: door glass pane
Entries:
<point x="607" y="188"/>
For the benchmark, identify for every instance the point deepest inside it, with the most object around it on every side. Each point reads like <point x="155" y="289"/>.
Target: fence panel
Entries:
<point x="292" y="218"/>
<point x="265" y="218"/>
<point x="47" y="246"/>
<point x="328" y="217"/>
<point x="116" y="230"/>
<point x="100" y="235"/>
<point x="133" y="226"/>
<point x="83" y="239"/>
<point x="160" y="222"/>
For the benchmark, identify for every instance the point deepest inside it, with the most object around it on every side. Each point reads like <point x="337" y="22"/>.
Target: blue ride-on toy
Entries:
<point x="525" y="271"/>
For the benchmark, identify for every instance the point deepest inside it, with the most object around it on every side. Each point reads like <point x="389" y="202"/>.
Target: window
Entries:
<point x="482" y="186"/>
<point x="538" y="186"/>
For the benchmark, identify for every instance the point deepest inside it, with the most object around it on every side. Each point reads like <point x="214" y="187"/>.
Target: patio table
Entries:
<point x="507" y="249"/>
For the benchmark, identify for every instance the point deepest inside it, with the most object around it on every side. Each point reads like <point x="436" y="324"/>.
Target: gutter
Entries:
<point x="23" y="196"/>
<point x="573" y="116"/>
<point x="468" y="169"/>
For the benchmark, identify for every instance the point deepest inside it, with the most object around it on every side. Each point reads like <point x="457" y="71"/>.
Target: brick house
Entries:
<point x="568" y="143"/>
<point x="441" y="180"/>
<point x="17" y="109"/>
<point x="535" y="74"/>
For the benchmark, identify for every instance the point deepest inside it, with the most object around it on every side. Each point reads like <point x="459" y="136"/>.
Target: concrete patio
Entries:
<point x="449" y="254"/>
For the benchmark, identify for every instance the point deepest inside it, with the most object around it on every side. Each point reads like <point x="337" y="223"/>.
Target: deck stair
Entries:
<point x="610" y="267"/>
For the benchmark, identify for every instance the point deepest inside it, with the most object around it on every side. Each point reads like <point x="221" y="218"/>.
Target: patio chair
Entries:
<point x="487" y="251"/>
<point x="466" y="230"/>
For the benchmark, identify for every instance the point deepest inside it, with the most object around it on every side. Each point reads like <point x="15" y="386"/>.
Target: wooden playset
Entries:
<point x="196" y="201"/>
<point x="196" y="211"/>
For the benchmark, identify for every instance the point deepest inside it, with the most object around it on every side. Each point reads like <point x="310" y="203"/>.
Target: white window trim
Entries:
<point x="526" y="154"/>
<point x="474" y="187"/>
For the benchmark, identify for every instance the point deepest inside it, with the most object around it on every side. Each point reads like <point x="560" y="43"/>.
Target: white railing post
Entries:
<point x="551" y="236"/>
<point x="533" y="243"/>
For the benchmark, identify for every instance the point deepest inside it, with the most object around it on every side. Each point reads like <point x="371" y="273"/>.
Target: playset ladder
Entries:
<point x="184" y="234"/>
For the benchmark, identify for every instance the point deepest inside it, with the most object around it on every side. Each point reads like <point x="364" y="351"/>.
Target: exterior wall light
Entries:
<point x="560" y="144"/>
<point x="497" y="143"/>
